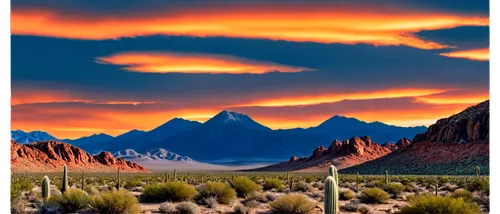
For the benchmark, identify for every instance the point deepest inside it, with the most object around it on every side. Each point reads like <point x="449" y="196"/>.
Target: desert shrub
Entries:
<point x="309" y="179"/>
<point x="133" y="183"/>
<point x="292" y="204"/>
<point x="363" y="208"/>
<point x="170" y="191"/>
<point x="241" y="209"/>
<point x="167" y="207"/>
<point x="302" y="186"/>
<point x="374" y="195"/>
<point x="409" y="188"/>
<point x="118" y="201"/>
<point x="271" y="196"/>
<point x="211" y="202"/>
<point x="72" y="200"/>
<point x="256" y="196"/>
<point x="346" y="194"/>
<point x="223" y="192"/>
<point x="187" y="207"/>
<point x="244" y="185"/>
<point x="450" y="187"/>
<point x="273" y="183"/>
<point x="395" y="188"/>
<point x="18" y="186"/>
<point x="479" y="185"/>
<point x="252" y="204"/>
<point x="350" y="207"/>
<point x="464" y="194"/>
<point x="439" y="205"/>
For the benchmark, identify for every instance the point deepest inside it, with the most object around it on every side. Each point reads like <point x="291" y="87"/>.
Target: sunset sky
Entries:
<point x="82" y="67"/>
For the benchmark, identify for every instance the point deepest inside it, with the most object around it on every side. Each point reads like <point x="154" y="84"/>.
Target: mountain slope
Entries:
<point x="50" y="156"/>
<point x="34" y="136"/>
<point x="89" y="142"/>
<point x="454" y="145"/>
<point x="341" y="154"/>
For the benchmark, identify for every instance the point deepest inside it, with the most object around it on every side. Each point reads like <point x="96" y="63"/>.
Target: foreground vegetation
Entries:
<point x="247" y="192"/>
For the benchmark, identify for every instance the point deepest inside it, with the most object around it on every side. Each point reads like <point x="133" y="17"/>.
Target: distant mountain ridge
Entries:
<point x="28" y="137"/>
<point x="155" y="154"/>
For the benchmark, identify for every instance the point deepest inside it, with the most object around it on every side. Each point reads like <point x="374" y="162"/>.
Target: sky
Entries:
<point x="82" y="67"/>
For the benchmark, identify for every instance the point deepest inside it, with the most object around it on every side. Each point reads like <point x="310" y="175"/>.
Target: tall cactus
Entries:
<point x="45" y="188"/>
<point x="357" y="181"/>
<point x="64" y="180"/>
<point x="332" y="171"/>
<point x="118" y="179"/>
<point x="331" y="196"/>
<point x="478" y="171"/>
<point x="437" y="186"/>
<point x="386" y="178"/>
<point x="83" y="180"/>
<point x="175" y="175"/>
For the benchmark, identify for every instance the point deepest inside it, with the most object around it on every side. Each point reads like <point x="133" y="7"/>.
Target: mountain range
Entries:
<point x="238" y="137"/>
<point x="155" y="154"/>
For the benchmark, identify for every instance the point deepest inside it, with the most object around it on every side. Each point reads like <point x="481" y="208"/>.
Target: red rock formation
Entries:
<point x="390" y="146"/>
<point x="404" y="142"/>
<point x="293" y="158"/>
<point x="319" y="152"/>
<point x="51" y="155"/>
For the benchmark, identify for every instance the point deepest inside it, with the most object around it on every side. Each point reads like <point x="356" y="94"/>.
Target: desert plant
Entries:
<point x="302" y="186"/>
<point x="395" y="188"/>
<point x="117" y="201"/>
<point x="171" y="191"/>
<point x="357" y="181"/>
<point x="439" y="205"/>
<point x="464" y="194"/>
<point x="223" y="192"/>
<point x="273" y="183"/>
<point x="478" y="171"/>
<point x="332" y="171"/>
<point x="167" y="207"/>
<point x="72" y="200"/>
<point x="18" y="186"/>
<point x="309" y="179"/>
<point x="45" y="188"/>
<point x="244" y="185"/>
<point x="64" y="185"/>
<point x="211" y="202"/>
<point x="83" y="180"/>
<point x="479" y="185"/>
<point x="242" y="209"/>
<point x="386" y="178"/>
<point x="118" y="179"/>
<point x="346" y="194"/>
<point x="187" y="207"/>
<point x="331" y="196"/>
<point x="133" y="183"/>
<point x="292" y="204"/>
<point x="374" y="195"/>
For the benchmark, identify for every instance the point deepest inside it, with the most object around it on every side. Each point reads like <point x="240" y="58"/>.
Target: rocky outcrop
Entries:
<point x="350" y="152"/>
<point x="453" y="145"/>
<point x="390" y="146"/>
<point x="51" y="155"/>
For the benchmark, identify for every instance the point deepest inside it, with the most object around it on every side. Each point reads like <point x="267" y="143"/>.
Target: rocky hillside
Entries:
<point x="344" y="154"/>
<point x="52" y="155"/>
<point x="453" y="145"/>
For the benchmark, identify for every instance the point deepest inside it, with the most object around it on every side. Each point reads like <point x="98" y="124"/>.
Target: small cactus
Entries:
<point x="118" y="179"/>
<point x="45" y="188"/>
<point x="175" y="175"/>
<point x="357" y="181"/>
<point x="437" y="186"/>
<point x="331" y="196"/>
<point x="386" y="178"/>
<point x="478" y="171"/>
<point x="83" y="180"/>
<point x="64" y="180"/>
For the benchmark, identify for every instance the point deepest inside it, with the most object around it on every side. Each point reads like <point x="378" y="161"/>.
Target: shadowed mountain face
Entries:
<point x="454" y="145"/>
<point x="89" y="141"/>
<point x="52" y="155"/>
<point x="34" y="136"/>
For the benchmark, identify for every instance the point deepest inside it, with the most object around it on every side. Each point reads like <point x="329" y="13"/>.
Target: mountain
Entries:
<point x="238" y="137"/>
<point x="49" y="156"/>
<point x="453" y="145"/>
<point x="34" y="136"/>
<point x="340" y="127"/>
<point x="131" y="139"/>
<point x="89" y="142"/>
<point x="155" y="154"/>
<point x="352" y="152"/>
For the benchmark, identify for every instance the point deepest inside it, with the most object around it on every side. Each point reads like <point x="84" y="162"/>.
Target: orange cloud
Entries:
<point x="169" y="62"/>
<point x="341" y="23"/>
<point x="298" y="100"/>
<point x="481" y="54"/>
<point x="456" y="97"/>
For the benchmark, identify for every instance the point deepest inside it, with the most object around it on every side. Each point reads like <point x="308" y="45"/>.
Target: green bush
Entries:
<point x="439" y="205"/>
<point x="292" y="204"/>
<point x="346" y="194"/>
<point x="171" y="191"/>
<point x="223" y="192"/>
<point x="464" y="194"/>
<point x="18" y="186"/>
<point x="395" y="188"/>
<point x="273" y="183"/>
<point x="118" y="201"/>
<point x="374" y="195"/>
<point x="479" y="184"/>
<point x="72" y="200"/>
<point x="133" y="183"/>
<point x="302" y="186"/>
<point x="309" y="179"/>
<point x="244" y="185"/>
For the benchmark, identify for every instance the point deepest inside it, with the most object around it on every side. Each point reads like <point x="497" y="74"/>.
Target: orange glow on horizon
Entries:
<point x="169" y="62"/>
<point x="456" y="97"/>
<point x="349" y="25"/>
<point x="481" y="54"/>
<point x="298" y="100"/>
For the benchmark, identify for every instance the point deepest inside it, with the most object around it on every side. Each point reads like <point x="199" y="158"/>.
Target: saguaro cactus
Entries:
<point x="45" y="188"/>
<point x="118" y="179"/>
<point x="83" y="180"/>
<point x="357" y="181"/>
<point x="478" y="171"/>
<point x="437" y="186"/>
<point x="331" y="196"/>
<point x="386" y="178"/>
<point x="332" y="171"/>
<point x="64" y="180"/>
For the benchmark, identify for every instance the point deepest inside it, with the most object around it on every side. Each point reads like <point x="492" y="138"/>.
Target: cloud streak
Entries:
<point x="318" y="22"/>
<point x="170" y="62"/>
<point x="480" y="54"/>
